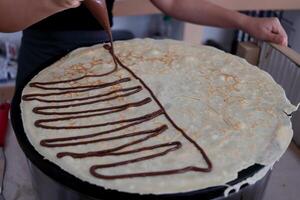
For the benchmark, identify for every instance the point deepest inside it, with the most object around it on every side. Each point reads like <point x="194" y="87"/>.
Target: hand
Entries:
<point x="268" y="29"/>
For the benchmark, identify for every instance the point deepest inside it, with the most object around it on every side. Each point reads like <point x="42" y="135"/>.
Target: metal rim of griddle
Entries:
<point x="61" y="176"/>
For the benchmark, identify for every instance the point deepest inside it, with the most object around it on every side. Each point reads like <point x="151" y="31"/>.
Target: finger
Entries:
<point x="283" y="34"/>
<point x="275" y="38"/>
<point x="278" y="29"/>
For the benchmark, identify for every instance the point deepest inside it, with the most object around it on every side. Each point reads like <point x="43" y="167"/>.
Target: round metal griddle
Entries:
<point x="59" y="175"/>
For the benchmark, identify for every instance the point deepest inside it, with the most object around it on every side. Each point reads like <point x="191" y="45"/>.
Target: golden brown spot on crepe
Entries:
<point x="96" y="62"/>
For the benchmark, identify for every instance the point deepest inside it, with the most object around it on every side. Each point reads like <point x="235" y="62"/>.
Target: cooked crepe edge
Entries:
<point x="284" y="132"/>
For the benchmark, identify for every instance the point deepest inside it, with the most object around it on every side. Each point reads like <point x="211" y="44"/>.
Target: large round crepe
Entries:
<point x="233" y="110"/>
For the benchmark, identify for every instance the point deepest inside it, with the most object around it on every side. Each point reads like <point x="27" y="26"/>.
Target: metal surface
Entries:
<point x="48" y="189"/>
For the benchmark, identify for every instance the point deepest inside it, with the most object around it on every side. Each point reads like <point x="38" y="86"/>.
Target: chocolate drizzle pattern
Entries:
<point x="90" y="138"/>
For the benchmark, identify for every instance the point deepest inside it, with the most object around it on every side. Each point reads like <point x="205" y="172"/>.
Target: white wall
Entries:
<point x="147" y="25"/>
<point x="137" y="25"/>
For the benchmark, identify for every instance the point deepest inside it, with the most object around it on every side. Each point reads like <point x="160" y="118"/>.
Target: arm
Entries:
<point x="16" y="15"/>
<point x="206" y="13"/>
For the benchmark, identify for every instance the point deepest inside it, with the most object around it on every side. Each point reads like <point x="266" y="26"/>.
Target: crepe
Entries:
<point x="234" y="111"/>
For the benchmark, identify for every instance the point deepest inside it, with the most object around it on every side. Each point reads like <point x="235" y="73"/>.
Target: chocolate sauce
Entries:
<point x="98" y="9"/>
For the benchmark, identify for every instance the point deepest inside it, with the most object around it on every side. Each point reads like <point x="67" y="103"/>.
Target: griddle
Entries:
<point x="61" y="176"/>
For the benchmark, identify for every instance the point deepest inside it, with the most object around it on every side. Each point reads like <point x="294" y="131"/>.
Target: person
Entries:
<point x="52" y="28"/>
